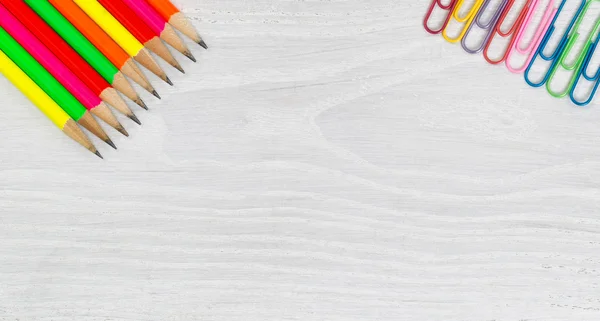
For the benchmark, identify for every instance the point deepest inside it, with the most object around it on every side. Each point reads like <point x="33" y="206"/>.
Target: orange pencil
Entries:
<point x="108" y="46"/>
<point x="177" y="19"/>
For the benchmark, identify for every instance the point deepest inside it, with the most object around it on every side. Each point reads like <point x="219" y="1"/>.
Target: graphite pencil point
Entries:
<point x="169" y="81"/>
<point x="98" y="154"/>
<point x="135" y="119"/>
<point x="180" y="69"/>
<point x="203" y="44"/>
<point x="110" y="142"/>
<point x="122" y="130"/>
<point x="156" y="94"/>
<point x="189" y="55"/>
<point x="141" y="103"/>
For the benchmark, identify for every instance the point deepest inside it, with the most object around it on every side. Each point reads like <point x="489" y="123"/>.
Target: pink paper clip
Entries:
<point x="531" y="49"/>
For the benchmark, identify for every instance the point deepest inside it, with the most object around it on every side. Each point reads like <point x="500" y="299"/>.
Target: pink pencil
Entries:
<point x="55" y="67"/>
<point x="159" y="25"/>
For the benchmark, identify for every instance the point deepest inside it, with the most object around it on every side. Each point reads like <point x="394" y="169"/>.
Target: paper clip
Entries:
<point x="449" y="8"/>
<point x="466" y="19"/>
<point x="581" y="58"/>
<point x="530" y="50"/>
<point x="552" y="58"/>
<point x="488" y="27"/>
<point x="595" y="78"/>
<point x="511" y="32"/>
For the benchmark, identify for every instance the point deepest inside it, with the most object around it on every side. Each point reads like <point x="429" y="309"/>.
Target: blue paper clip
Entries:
<point x="584" y="73"/>
<point x="561" y="46"/>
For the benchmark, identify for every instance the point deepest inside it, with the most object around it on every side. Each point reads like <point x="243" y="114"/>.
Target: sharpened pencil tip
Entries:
<point x="189" y="55"/>
<point x="156" y="94"/>
<point x="169" y="81"/>
<point x="141" y="103"/>
<point x="98" y="154"/>
<point x="203" y="44"/>
<point x="135" y="119"/>
<point x="122" y="130"/>
<point x="180" y="69"/>
<point x="110" y="142"/>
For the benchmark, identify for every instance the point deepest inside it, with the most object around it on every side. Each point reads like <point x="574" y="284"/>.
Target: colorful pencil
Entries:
<point x="119" y="33"/>
<point x="159" y="26"/>
<point x="177" y="19"/>
<point x="45" y="104"/>
<point x="84" y="48"/>
<point x="58" y="69"/>
<point x="140" y="30"/>
<point x="106" y="44"/>
<point x="30" y="20"/>
<point x="51" y="86"/>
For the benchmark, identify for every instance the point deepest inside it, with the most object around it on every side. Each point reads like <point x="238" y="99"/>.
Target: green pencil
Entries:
<point x="86" y="49"/>
<point x="50" y="85"/>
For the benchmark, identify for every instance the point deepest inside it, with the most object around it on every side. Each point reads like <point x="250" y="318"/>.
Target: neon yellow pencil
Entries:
<point x="45" y="104"/>
<point x="121" y="35"/>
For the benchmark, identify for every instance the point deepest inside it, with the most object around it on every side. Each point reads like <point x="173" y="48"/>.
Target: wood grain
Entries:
<point x="324" y="160"/>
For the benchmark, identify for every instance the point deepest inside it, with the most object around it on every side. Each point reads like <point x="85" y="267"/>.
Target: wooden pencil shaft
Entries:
<point x="146" y="60"/>
<point x="131" y="70"/>
<point x="121" y="84"/>
<point x="73" y="131"/>
<point x="112" y="97"/>
<point x="181" y="23"/>
<point x="89" y="123"/>
<point x="158" y="47"/>
<point x="170" y="36"/>
<point x="105" y="114"/>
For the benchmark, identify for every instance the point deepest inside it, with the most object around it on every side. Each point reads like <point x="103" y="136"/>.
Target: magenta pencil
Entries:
<point x="57" y="69"/>
<point x="159" y="25"/>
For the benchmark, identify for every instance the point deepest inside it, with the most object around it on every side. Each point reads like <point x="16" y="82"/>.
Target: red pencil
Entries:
<point x="139" y="29"/>
<point x="159" y="26"/>
<point x="67" y="55"/>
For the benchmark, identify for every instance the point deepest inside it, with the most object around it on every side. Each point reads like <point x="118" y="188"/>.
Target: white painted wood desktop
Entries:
<point x="324" y="160"/>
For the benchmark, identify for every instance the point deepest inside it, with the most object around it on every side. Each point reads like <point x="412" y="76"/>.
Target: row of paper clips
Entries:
<point x="537" y="48"/>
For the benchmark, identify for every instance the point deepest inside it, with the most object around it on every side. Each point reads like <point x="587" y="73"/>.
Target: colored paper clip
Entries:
<point x="466" y="19"/>
<point x="510" y="33"/>
<point x="531" y="49"/>
<point x="581" y="58"/>
<point x="449" y="8"/>
<point x="488" y="27"/>
<point x="552" y="58"/>
<point x="595" y="78"/>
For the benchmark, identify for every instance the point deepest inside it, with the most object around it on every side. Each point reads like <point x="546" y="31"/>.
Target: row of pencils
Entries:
<point x="495" y="28"/>
<point x="75" y="58"/>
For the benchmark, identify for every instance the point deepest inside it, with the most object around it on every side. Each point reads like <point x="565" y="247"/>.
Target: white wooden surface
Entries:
<point x="324" y="160"/>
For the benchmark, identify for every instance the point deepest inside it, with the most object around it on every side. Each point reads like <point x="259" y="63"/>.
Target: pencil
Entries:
<point x="159" y="26"/>
<point x="51" y="86"/>
<point x="44" y="103"/>
<point x="85" y="49"/>
<point x="139" y="29"/>
<point x="121" y="35"/>
<point x="30" y="20"/>
<point x="177" y="19"/>
<point x="105" y="43"/>
<point x="58" y="69"/>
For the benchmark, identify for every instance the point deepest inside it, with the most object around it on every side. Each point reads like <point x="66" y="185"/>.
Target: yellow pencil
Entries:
<point x="42" y="101"/>
<point x="121" y="36"/>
